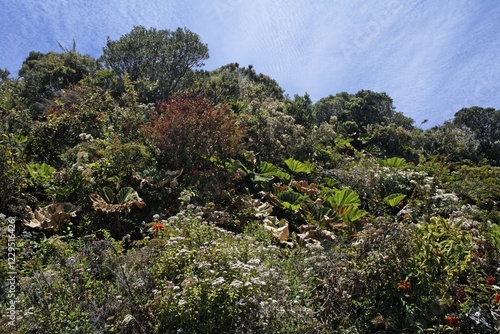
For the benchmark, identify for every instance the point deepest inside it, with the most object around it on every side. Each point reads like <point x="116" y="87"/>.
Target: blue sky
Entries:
<point x="431" y="57"/>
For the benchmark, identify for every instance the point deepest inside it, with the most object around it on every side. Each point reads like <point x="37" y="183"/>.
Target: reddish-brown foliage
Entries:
<point x="188" y="130"/>
<point x="452" y="321"/>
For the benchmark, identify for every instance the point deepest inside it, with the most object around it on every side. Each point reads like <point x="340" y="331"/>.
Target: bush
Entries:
<point x="79" y="110"/>
<point x="188" y="130"/>
<point x="246" y="286"/>
<point x="275" y="135"/>
<point x="81" y="287"/>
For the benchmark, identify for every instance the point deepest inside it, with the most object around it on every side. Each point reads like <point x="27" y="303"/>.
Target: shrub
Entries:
<point x="360" y="291"/>
<point x="81" y="287"/>
<point x="274" y="134"/>
<point x="188" y="130"/>
<point x="108" y="162"/>
<point x="244" y="286"/>
<point x="79" y="110"/>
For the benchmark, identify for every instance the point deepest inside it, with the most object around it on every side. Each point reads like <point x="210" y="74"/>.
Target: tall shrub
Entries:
<point x="188" y="130"/>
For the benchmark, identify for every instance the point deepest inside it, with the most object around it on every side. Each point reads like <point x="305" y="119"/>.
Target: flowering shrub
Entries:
<point x="274" y="134"/>
<point x="107" y="162"/>
<point x="213" y="281"/>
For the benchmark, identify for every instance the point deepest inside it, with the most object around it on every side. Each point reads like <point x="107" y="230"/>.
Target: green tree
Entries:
<point x="157" y="60"/>
<point x="457" y="143"/>
<point x="364" y="108"/>
<point x="46" y="74"/>
<point x="4" y="74"/>
<point x="483" y="122"/>
<point x="392" y="140"/>
<point x="78" y="113"/>
<point x="330" y="106"/>
<point x="231" y="83"/>
<point x="301" y="108"/>
<point x="356" y="114"/>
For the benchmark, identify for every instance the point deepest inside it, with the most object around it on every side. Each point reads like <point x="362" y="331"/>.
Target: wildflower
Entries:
<point x="404" y="285"/>
<point x="182" y="253"/>
<point x="452" y="321"/>
<point x="490" y="280"/>
<point x="218" y="281"/>
<point x="496" y="298"/>
<point x="236" y="284"/>
<point x="254" y="261"/>
<point x="157" y="226"/>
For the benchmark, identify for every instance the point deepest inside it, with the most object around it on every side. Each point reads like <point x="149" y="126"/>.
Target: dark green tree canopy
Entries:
<point x="44" y="74"/>
<point x="156" y="60"/>
<point x="4" y="74"/>
<point x="484" y="124"/>
<point x="301" y="108"/>
<point x="364" y="108"/>
<point x="233" y="82"/>
<point x="482" y="121"/>
<point x="456" y="142"/>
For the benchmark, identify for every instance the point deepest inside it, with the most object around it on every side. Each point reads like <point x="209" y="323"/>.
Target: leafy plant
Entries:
<point x="495" y="236"/>
<point x="41" y="173"/>
<point x="266" y="172"/>
<point x="291" y="200"/>
<point x="107" y="201"/>
<point x="392" y="162"/>
<point x="50" y="217"/>
<point x="394" y="200"/>
<point x="345" y="202"/>
<point x="296" y="166"/>
<point x="188" y="132"/>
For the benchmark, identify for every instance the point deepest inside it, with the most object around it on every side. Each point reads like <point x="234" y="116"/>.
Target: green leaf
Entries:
<point x="353" y="214"/>
<point x="239" y="167"/>
<point x="41" y="172"/>
<point x="291" y="200"/>
<point x="394" y="199"/>
<point x="261" y="178"/>
<point x="108" y="195"/>
<point x="125" y="195"/>
<point x="296" y="166"/>
<point x="267" y="169"/>
<point x="332" y="183"/>
<point x="289" y="206"/>
<point x="318" y="212"/>
<point x="344" y="197"/>
<point x="392" y="162"/>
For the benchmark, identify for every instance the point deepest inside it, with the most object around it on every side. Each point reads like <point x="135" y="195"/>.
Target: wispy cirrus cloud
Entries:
<point x="431" y="57"/>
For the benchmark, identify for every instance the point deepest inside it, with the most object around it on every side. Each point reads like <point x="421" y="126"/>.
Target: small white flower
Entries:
<point x="236" y="284"/>
<point x="218" y="281"/>
<point x="254" y="262"/>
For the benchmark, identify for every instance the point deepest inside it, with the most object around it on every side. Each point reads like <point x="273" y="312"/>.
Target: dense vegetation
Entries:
<point x="142" y="194"/>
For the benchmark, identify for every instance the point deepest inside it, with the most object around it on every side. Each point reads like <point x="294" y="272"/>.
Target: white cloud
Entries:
<point x="431" y="57"/>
